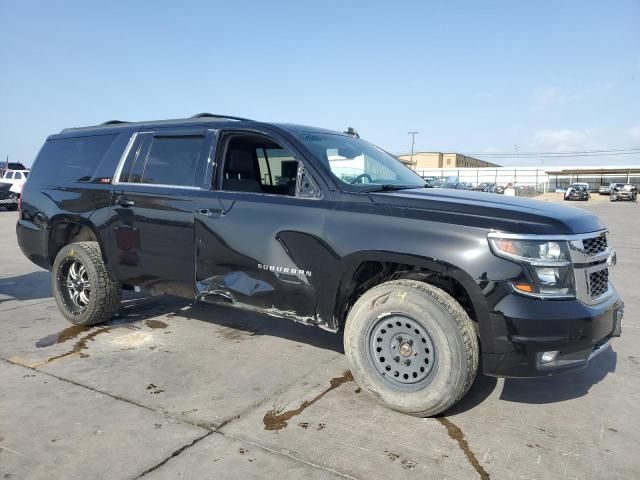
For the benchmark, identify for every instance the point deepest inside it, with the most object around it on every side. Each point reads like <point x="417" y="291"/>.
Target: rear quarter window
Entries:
<point x="70" y="159"/>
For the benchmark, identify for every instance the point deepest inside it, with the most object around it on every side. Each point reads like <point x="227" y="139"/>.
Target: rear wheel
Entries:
<point x="412" y="346"/>
<point x="82" y="287"/>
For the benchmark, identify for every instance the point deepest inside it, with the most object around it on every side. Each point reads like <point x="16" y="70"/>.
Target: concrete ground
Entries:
<point x="173" y="390"/>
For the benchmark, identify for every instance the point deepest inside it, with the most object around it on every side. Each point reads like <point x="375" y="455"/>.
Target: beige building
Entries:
<point x="423" y="160"/>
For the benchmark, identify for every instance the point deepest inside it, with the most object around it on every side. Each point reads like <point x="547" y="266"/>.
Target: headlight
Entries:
<point x="547" y="262"/>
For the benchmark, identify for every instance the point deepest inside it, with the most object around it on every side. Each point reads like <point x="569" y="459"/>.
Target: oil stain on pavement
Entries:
<point x="155" y="324"/>
<point x="80" y="345"/>
<point x="276" y="420"/>
<point x="456" y="434"/>
<point x="60" y="337"/>
<point x="84" y="335"/>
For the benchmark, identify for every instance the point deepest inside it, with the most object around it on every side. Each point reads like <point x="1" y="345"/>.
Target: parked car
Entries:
<point x="8" y="199"/>
<point x="577" y="191"/>
<point x="624" y="192"/>
<point x="581" y="184"/>
<point x="16" y="179"/>
<point x="605" y="189"/>
<point x="485" y="187"/>
<point x="421" y="283"/>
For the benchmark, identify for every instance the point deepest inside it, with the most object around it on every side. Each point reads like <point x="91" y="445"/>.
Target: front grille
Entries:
<point x="595" y="245"/>
<point x="598" y="282"/>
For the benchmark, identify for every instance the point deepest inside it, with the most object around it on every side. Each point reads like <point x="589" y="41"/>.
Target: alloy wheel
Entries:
<point x="74" y="284"/>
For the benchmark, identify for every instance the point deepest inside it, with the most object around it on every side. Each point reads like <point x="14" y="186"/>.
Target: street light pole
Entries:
<point x="413" y="142"/>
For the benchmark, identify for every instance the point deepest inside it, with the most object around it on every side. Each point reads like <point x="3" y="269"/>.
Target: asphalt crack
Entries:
<point x="174" y="454"/>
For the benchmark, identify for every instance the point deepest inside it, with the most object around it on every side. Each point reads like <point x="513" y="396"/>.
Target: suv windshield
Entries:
<point x="360" y="164"/>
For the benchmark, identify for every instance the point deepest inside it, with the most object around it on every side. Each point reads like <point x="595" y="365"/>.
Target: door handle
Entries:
<point x="126" y="203"/>
<point x="211" y="212"/>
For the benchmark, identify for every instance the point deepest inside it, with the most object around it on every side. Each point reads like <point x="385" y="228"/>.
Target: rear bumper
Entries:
<point x="524" y="328"/>
<point x="33" y="241"/>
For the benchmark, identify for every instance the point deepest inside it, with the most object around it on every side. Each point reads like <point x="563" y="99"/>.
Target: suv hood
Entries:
<point x="489" y="210"/>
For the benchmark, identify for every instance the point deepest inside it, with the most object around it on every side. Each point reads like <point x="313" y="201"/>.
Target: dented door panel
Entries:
<point x="259" y="251"/>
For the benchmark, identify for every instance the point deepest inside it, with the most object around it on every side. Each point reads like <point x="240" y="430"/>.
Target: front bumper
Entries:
<point x="576" y="197"/>
<point x="8" y="201"/>
<point x="523" y="328"/>
<point x="624" y="195"/>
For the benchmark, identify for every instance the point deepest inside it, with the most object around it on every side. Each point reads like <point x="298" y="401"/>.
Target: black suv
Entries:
<point x="326" y="229"/>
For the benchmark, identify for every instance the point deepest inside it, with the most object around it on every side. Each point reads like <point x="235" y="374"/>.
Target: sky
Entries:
<point x="474" y="77"/>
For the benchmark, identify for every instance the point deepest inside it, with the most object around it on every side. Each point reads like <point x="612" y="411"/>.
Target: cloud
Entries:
<point x="548" y="97"/>
<point x="564" y="140"/>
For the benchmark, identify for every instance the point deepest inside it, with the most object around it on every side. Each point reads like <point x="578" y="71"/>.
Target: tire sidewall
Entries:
<point x="447" y="376"/>
<point x="72" y="252"/>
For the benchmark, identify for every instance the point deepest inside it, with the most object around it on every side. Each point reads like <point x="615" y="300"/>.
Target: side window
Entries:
<point x="263" y="165"/>
<point x="253" y="163"/>
<point x="132" y="156"/>
<point x="72" y="159"/>
<point x="9" y="176"/>
<point x="17" y="176"/>
<point x="172" y="160"/>
<point x="277" y="166"/>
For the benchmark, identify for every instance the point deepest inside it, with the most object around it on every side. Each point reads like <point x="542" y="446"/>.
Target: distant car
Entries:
<point x="8" y="199"/>
<point x="581" y="184"/>
<point x="605" y="189"/>
<point x="577" y="191"/>
<point x="4" y="166"/>
<point x="625" y="191"/>
<point x="484" y="187"/>
<point x="16" y="179"/>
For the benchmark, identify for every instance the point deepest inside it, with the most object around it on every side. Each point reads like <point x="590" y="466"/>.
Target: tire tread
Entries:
<point x="106" y="294"/>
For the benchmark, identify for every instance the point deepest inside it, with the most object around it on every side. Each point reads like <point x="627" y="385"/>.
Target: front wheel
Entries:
<point x="612" y="198"/>
<point x="82" y="287"/>
<point x="412" y="346"/>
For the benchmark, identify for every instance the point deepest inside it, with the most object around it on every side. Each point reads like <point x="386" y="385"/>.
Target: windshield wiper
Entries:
<point x="387" y="187"/>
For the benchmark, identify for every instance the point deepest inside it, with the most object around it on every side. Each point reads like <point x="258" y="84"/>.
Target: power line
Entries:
<point x="585" y="153"/>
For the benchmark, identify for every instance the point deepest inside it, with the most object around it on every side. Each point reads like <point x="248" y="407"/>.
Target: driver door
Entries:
<point x="257" y="234"/>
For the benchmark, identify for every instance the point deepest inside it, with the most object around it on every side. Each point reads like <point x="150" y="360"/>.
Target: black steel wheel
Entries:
<point x="411" y="346"/>
<point x="401" y="351"/>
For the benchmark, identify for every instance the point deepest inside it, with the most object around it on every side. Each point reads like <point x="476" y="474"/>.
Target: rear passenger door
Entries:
<point x="151" y="228"/>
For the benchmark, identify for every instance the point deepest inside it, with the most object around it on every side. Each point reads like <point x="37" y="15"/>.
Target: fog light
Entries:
<point x="549" y="357"/>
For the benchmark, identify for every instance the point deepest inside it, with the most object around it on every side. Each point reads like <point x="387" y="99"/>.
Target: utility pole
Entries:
<point x="413" y="143"/>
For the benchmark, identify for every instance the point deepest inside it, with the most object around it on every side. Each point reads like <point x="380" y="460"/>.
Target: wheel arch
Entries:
<point x="65" y="229"/>
<point x="363" y="270"/>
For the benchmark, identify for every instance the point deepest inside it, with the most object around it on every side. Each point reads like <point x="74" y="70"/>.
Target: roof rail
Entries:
<point x="215" y="115"/>
<point x="113" y="122"/>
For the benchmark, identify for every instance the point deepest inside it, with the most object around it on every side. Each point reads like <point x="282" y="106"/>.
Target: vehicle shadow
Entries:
<point x="140" y="309"/>
<point x="30" y="286"/>
<point x="482" y="387"/>
<point x="562" y="387"/>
